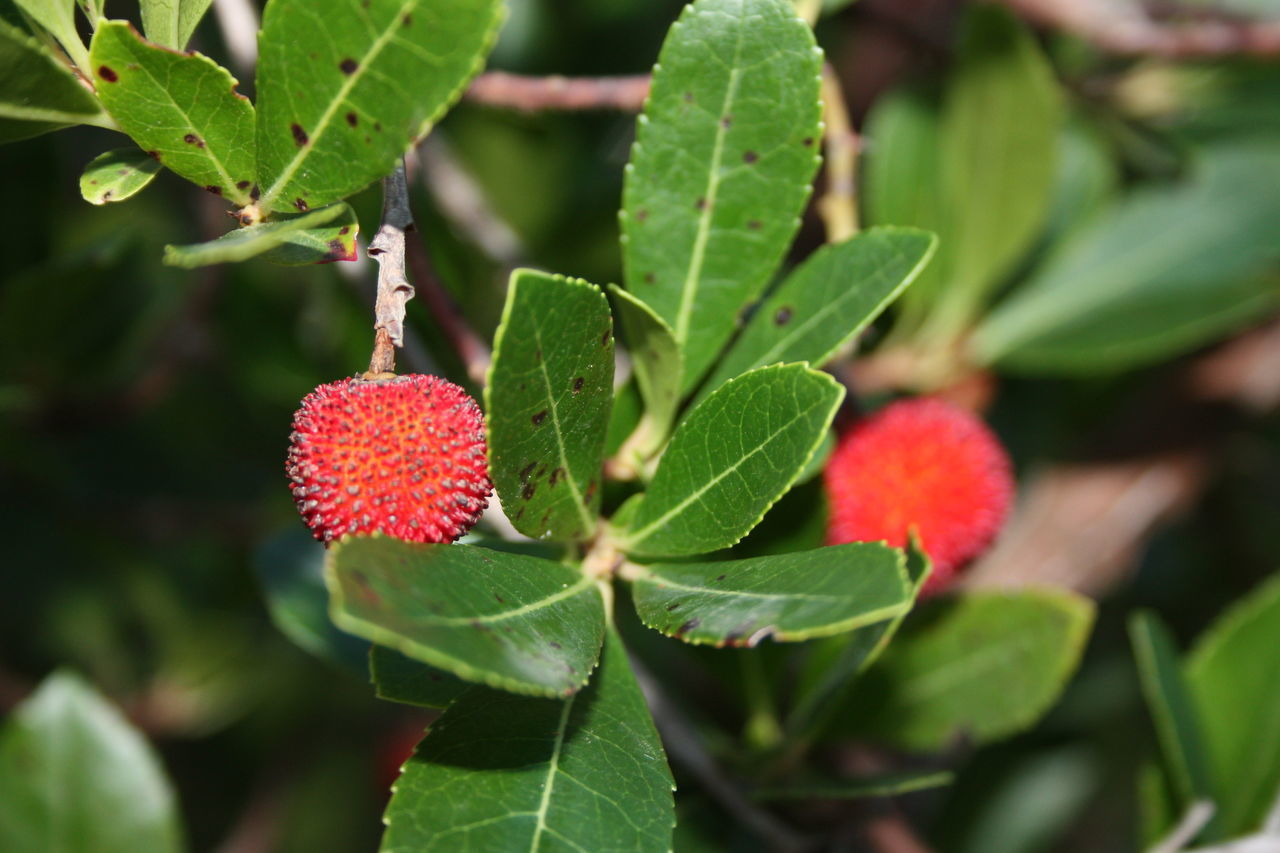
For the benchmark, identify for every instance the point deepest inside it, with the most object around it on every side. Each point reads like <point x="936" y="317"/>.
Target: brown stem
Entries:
<point x="1128" y="28"/>
<point x="473" y="351"/>
<point x="532" y="94"/>
<point x="838" y="205"/>
<point x="394" y="290"/>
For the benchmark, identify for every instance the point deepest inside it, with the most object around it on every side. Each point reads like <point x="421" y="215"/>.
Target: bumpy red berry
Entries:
<point x="402" y="456"/>
<point x="920" y="463"/>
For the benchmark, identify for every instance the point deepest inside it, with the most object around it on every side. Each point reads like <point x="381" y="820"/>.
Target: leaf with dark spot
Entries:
<point x="790" y="597"/>
<point x="544" y="345"/>
<point x="182" y="106"/>
<point x="117" y="175"/>
<point x="368" y="48"/>
<point x="287" y="239"/>
<point x="766" y="77"/>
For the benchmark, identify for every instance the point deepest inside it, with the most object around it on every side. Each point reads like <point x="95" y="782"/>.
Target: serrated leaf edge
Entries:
<point x="425" y="654"/>
<point x="630" y="542"/>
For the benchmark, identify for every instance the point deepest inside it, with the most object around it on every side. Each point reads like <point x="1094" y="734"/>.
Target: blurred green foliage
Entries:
<point x="144" y="415"/>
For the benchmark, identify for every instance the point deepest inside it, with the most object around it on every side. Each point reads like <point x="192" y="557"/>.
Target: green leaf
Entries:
<point x="834" y="664"/>
<point x="500" y="772"/>
<point x="999" y="136"/>
<point x="884" y="785"/>
<point x="829" y="299"/>
<point x="981" y="664"/>
<point x="92" y="10"/>
<point x="789" y="597"/>
<point x="298" y="238"/>
<point x="323" y="244"/>
<point x="656" y="360"/>
<point x="628" y="407"/>
<point x="181" y="108"/>
<point x="346" y="86"/>
<point x="171" y="22"/>
<point x="117" y="175"/>
<point x="37" y="92"/>
<point x="59" y="18"/>
<point x="903" y="184"/>
<point x="1231" y="675"/>
<point x="548" y="397"/>
<point x="512" y="622"/>
<point x="1177" y="728"/>
<point x="74" y="775"/>
<point x="731" y="458"/>
<point x="410" y="682"/>
<point x="290" y="568"/>
<point x="1163" y="270"/>
<point x="721" y="167"/>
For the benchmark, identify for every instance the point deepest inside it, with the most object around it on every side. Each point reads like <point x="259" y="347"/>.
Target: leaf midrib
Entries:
<point x="849" y="295"/>
<point x="230" y="189"/>
<point x="502" y="616"/>
<point x="571" y="477"/>
<point x="693" y="278"/>
<point x="643" y="533"/>
<point x="666" y="582"/>
<point x="552" y="769"/>
<point x="339" y="97"/>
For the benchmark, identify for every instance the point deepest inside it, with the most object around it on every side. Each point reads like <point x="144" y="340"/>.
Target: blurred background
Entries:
<point x="151" y="544"/>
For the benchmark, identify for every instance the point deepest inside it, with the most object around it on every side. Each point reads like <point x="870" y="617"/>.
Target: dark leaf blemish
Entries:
<point x="192" y="139"/>
<point x="299" y="135"/>
<point x="750" y="156"/>
<point x="242" y="185"/>
<point x="353" y="119"/>
<point x="687" y="627"/>
<point x="107" y="73"/>
<point x="577" y="384"/>
<point x="526" y="471"/>
<point x="528" y="491"/>
<point x="672" y="606"/>
<point x="783" y="316"/>
<point x="301" y="204"/>
<point x="214" y="188"/>
<point x="348" y="66"/>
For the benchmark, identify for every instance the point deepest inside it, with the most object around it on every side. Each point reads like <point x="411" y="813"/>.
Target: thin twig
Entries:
<point x="469" y="346"/>
<point x="534" y="94"/>
<point x="1127" y="28"/>
<point x="838" y="206"/>
<point x="463" y="202"/>
<point x="684" y="746"/>
<point x="394" y="289"/>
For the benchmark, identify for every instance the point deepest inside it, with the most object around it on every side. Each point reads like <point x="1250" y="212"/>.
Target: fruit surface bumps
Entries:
<point x="921" y="463"/>
<point x="403" y="456"/>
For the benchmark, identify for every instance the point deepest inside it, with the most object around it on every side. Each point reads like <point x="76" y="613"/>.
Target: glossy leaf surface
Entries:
<point x="509" y="621"/>
<point x="721" y="167"/>
<point x="548" y="398"/>
<point x="827" y="301"/>
<point x="501" y="772"/>
<point x="731" y="458"/>
<point x="181" y="108"/>
<point x="116" y="175"/>
<point x="786" y="597"/>
<point x="346" y="86"/>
